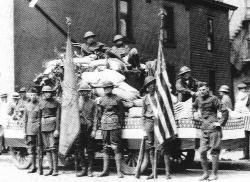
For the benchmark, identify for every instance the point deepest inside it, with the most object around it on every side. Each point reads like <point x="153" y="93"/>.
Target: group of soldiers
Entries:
<point x="107" y="114"/>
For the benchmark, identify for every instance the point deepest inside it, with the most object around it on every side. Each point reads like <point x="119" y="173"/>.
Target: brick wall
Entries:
<point x="202" y="60"/>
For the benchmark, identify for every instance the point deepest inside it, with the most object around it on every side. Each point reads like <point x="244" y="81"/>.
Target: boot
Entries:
<point x="49" y="156"/>
<point x="167" y="166"/>
<point x="55" y="163"/>
<point x="90" y="167"/>
<point x="204" y="165"/>
<point x="118" y="160"/>
<point x="33" y="161"/>
<point x="105" y="171"/>
<point x="151" y="157"/>
<point x="215" y="166"/>
<point x="84" y="167"/>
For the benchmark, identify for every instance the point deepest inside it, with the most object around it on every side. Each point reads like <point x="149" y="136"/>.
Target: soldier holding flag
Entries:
<point x="149" y="119"/>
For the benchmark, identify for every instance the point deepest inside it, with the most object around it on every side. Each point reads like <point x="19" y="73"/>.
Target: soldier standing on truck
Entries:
<point x="31" y="125"/>
<point x="205" y="109"/>
<point x="50" y="113"/>
<point x="130" y="56"/>
<point x="186" y="85"/>
<point x="148" y="118"/>
<point x="84" y="141"/>
<point x="111" y="113"/>
<point x="92" y="46"/>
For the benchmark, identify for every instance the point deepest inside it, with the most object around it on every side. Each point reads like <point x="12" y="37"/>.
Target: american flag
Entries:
<point x="165" y="127"/>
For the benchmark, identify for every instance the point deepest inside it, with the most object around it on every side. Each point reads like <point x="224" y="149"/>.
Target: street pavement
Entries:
<point x="9" y="173"/>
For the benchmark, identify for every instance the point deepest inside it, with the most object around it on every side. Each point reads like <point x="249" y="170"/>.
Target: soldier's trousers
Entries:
<point x="32" y="143"/>
<point x="49" y="141"/>
<point x="112" y="138"/>
<point x="210" y="140"/>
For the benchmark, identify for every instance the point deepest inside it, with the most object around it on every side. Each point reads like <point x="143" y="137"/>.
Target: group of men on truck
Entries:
<point x="108" y="114"/>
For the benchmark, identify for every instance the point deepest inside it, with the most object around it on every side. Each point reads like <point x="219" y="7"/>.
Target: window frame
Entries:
<point x="128" y="19"/>
<point x="210" y="34"/>
<point x="169" y="23"/>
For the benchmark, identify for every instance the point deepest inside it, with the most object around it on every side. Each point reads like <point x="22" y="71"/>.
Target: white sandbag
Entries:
<point x="116" y="64"/>
<point x="127" y="87"/>
<point x="135" y="112"/>
<point x="99" y="62"/>
<point x="125" y="95"/>
<point x="111" y="75"/>
<point x="138" y="103"/>
<point x="52" y="63"/>
<point x="83" y="60"/>
<point x="91" y="77"/>
<point x="128" y="104"/>
<point x="49" y="69"/>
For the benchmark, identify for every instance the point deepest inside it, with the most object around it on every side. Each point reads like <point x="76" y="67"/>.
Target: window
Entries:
<point x="124" y="18"/>
<point x="168" y="28"/>
<point x="210" y="34"/>
<point x="212" y="81"/>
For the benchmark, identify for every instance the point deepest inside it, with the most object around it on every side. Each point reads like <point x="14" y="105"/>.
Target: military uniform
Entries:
<point x="97" y="48"/>
<point x="85" y="141"/>
<point x="50" y="121"/>
<point x="211" y="133"/>
<point x="31" y="129"/>
<point x="184" y="88"/>
<point x="111" y="114"/>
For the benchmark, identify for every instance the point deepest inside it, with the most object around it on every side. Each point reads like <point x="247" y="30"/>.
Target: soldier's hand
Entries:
<point x="93" y="134"/>
<point x="56" y="133"/>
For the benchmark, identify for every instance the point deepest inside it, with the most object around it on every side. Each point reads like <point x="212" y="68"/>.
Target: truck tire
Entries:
<point x="20" y="157"/>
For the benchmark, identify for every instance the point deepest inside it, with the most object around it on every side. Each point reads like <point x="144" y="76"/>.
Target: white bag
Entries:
<point x="135" y="112"/>
<point x="111" y="75"/>
<point x="83" y="60"/>
<point x="91" y="77"/>
<point x="138" y="103"/>
<point x="116" y="64"/>
<point x="99" y="62"/>
<point x="125" y="95"/>
<point x="127" y="87"/>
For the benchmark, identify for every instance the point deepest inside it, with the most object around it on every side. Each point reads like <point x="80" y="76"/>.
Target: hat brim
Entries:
<point x="146" y="85"/>
<point x="117" y="40"/>
<point x="184" y="72"/>
<point x="89" y="36"/>
<point x="83" y="90"/>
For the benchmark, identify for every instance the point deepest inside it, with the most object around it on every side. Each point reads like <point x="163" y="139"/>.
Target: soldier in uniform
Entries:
<point x="50" y="124"/>
<point x="123" y="51"/>
<point x="224" y="97"/>
<point x="186" y="85"/>
<point x="111" y="112"/>
<point x="92" y="46"/>
<point x="12" y="105"/>
<point x="87" y="108"/>
<point x="31" y="126"/>
<point x="148" y="118"/>
<point x="205" y="108"/>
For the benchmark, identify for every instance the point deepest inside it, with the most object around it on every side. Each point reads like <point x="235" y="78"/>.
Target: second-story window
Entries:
<point x="210" y="34"/>
<point x="168" y="28"/>
<point x="125" y="18"/>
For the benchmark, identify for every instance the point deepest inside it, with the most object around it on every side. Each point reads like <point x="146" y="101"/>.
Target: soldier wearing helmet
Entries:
<point x="21" y="103"/>
<point x="87" y="110"/>
<point x="91" y="46"/>
<point x="12" y="105"/>
<point x="49" y="114"/>
<point x="31" y="125"/>
<point x="224" y="97"/>
<point x="186" y="85"/>
<point x="123" y="51"/>
<point x="148" y="118"/>
<point x="111" y="115"/>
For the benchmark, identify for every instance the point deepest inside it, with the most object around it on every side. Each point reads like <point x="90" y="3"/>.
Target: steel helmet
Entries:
<point x="148" y="80"/>
<point x="107" y="84"/>
<point x="15" y="95"/>
<point x="184" y="69"/>
<point x="89" y="34"/>
<point x="117" y="37"/>
<point x="84" y="87"/>
<point x="47" y="89"/>
<point x="224" y="88"/>
<point x="241" y="85"/>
